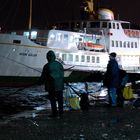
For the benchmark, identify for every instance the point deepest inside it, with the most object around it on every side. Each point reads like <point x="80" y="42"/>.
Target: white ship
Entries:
<point x="83" y="51"/>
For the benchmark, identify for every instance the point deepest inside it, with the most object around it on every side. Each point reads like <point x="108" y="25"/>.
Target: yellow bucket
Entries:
<point x="74" y="103"/>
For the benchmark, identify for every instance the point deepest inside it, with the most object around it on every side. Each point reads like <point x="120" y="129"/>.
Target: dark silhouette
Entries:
<point x="84" y="101"/>
<point x="53" y="78"/>
<point x="112" y="79"/>
<point x="123" y="80"/>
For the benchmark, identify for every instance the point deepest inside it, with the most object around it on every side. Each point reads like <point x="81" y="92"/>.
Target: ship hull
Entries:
<point x="76" y="76"/>
<point x="21" y="64"/>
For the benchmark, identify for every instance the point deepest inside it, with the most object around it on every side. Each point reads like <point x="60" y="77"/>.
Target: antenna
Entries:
<point x="30" y="18"/>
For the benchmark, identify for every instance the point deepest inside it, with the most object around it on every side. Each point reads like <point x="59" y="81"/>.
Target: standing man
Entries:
<point x="112" y="80"/>
<point x="53" y="78"/>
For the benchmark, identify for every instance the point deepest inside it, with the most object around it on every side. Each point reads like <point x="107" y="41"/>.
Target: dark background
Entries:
<point x="14" y="14"/>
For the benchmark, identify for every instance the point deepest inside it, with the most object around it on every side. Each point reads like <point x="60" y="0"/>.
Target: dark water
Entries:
<point x="27" y="102"/>
<point x="22" y="102"/>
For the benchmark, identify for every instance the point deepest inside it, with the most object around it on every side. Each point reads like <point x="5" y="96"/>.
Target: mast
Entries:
<point x="30" y="17"/>
<point x="88" y="9"/>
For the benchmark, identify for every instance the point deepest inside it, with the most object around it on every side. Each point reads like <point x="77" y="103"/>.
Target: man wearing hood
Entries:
<point x="112" y="79"/>
<point x="53" y="78"/>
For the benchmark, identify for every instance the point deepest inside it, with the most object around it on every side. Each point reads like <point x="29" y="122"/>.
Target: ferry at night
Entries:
<point x="82" y="47"/>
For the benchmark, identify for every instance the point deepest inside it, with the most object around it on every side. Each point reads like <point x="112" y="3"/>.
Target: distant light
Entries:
<point x="26" y="34"/>
<point x="33" y="34"/>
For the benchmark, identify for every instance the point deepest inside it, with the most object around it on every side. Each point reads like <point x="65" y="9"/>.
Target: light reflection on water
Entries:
<point x="21" y="100"/>
<point x="27" y="102"/>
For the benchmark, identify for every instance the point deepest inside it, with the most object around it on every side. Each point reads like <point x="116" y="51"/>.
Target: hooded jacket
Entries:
<point x="113" y="74"/>
<point x="52" y="74"/>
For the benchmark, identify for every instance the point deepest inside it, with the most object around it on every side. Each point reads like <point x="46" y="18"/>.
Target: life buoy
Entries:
<point x="137" y="34"/>
<point x="127" y="32"/>
<point x="132" y="34"/>
<point x="91" y="46"/>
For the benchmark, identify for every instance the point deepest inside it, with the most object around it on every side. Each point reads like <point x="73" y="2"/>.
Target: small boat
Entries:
<point x="81" y="46"/>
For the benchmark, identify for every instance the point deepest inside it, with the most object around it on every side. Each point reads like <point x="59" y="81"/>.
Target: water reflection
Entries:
<point x="27" y="102"/>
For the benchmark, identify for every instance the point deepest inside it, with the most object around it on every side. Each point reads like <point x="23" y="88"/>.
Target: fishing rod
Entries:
<point x="32" y="67"/>
<point x="87" y="92"/>
<point x="21" y="89"/>
<point x="20" y="63"/>
<point x="63" y="63"/>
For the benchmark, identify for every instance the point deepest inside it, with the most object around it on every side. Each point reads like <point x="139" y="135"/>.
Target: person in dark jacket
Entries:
<point x="112" y="79"/>
<point x="123" y="81"/>
<point x="53" y="78"/>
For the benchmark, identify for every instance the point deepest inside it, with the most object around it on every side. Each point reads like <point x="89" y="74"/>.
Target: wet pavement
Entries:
<point x="99" y="123"/>
<point x="24" y="116"/>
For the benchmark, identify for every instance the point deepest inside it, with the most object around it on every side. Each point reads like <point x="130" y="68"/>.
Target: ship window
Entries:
<point x="77" y="58"/>
<point x="116" y="43"/>
<point x="113" y="25"/>
<point x="57" y="55"/>
<point x="88" y="58"/>
<point x="26" y="34"/>
<point x="120" y="43"/>
<point x="17" y="41"/>
<point x="65" y="37"/>
<point x="136" y="45"/>
<point x="64" y="57"/>
<point x="128" y="44"/>
<point x="97" y="59"/>
<point x="104" y="25"/>
<point x="33" y="35"/>
<point x="112" y="43"/>
<point x="71" y="38"/>
<point x="52" y="37"/>
<point x="109" y="25"/>
<point x="117" y="25"/>
<point x="94" y="24"/>
<point x="125" y="25"/>
<point x="124" y="44"/>
<point x="93" y="59"/>
<point x="131" y="44"/>
<point x="82" y="58"/>
<point x="59" y="37"/>
<point x="70" y="57"/>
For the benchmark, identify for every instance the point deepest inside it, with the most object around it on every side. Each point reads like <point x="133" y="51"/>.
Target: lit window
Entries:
<point x="65" y="37"/>
<point x="33" y="34"/>
<point x="112" y="43"/>
<point x="136" y="45"/>
<point x="82" y="58"/>
<point x="128" y="44"/>
<point x="57" y="55"/>
<point x="132" y="45"/>
<point x="98" y="60"/>
<point x="26" y="34"/>
<point x="70" y="58"/>
<point x="64" y="57"/>
<point x="59" y="37"/>
<point x="124" y="44"/>
<point x="76" y="58"/>
<point x="93" y="59"/>
<point x="116" y="43"/>
<point x="120" y="43"/>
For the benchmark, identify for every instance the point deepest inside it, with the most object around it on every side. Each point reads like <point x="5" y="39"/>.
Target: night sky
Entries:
<point x="14" y="14"/>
